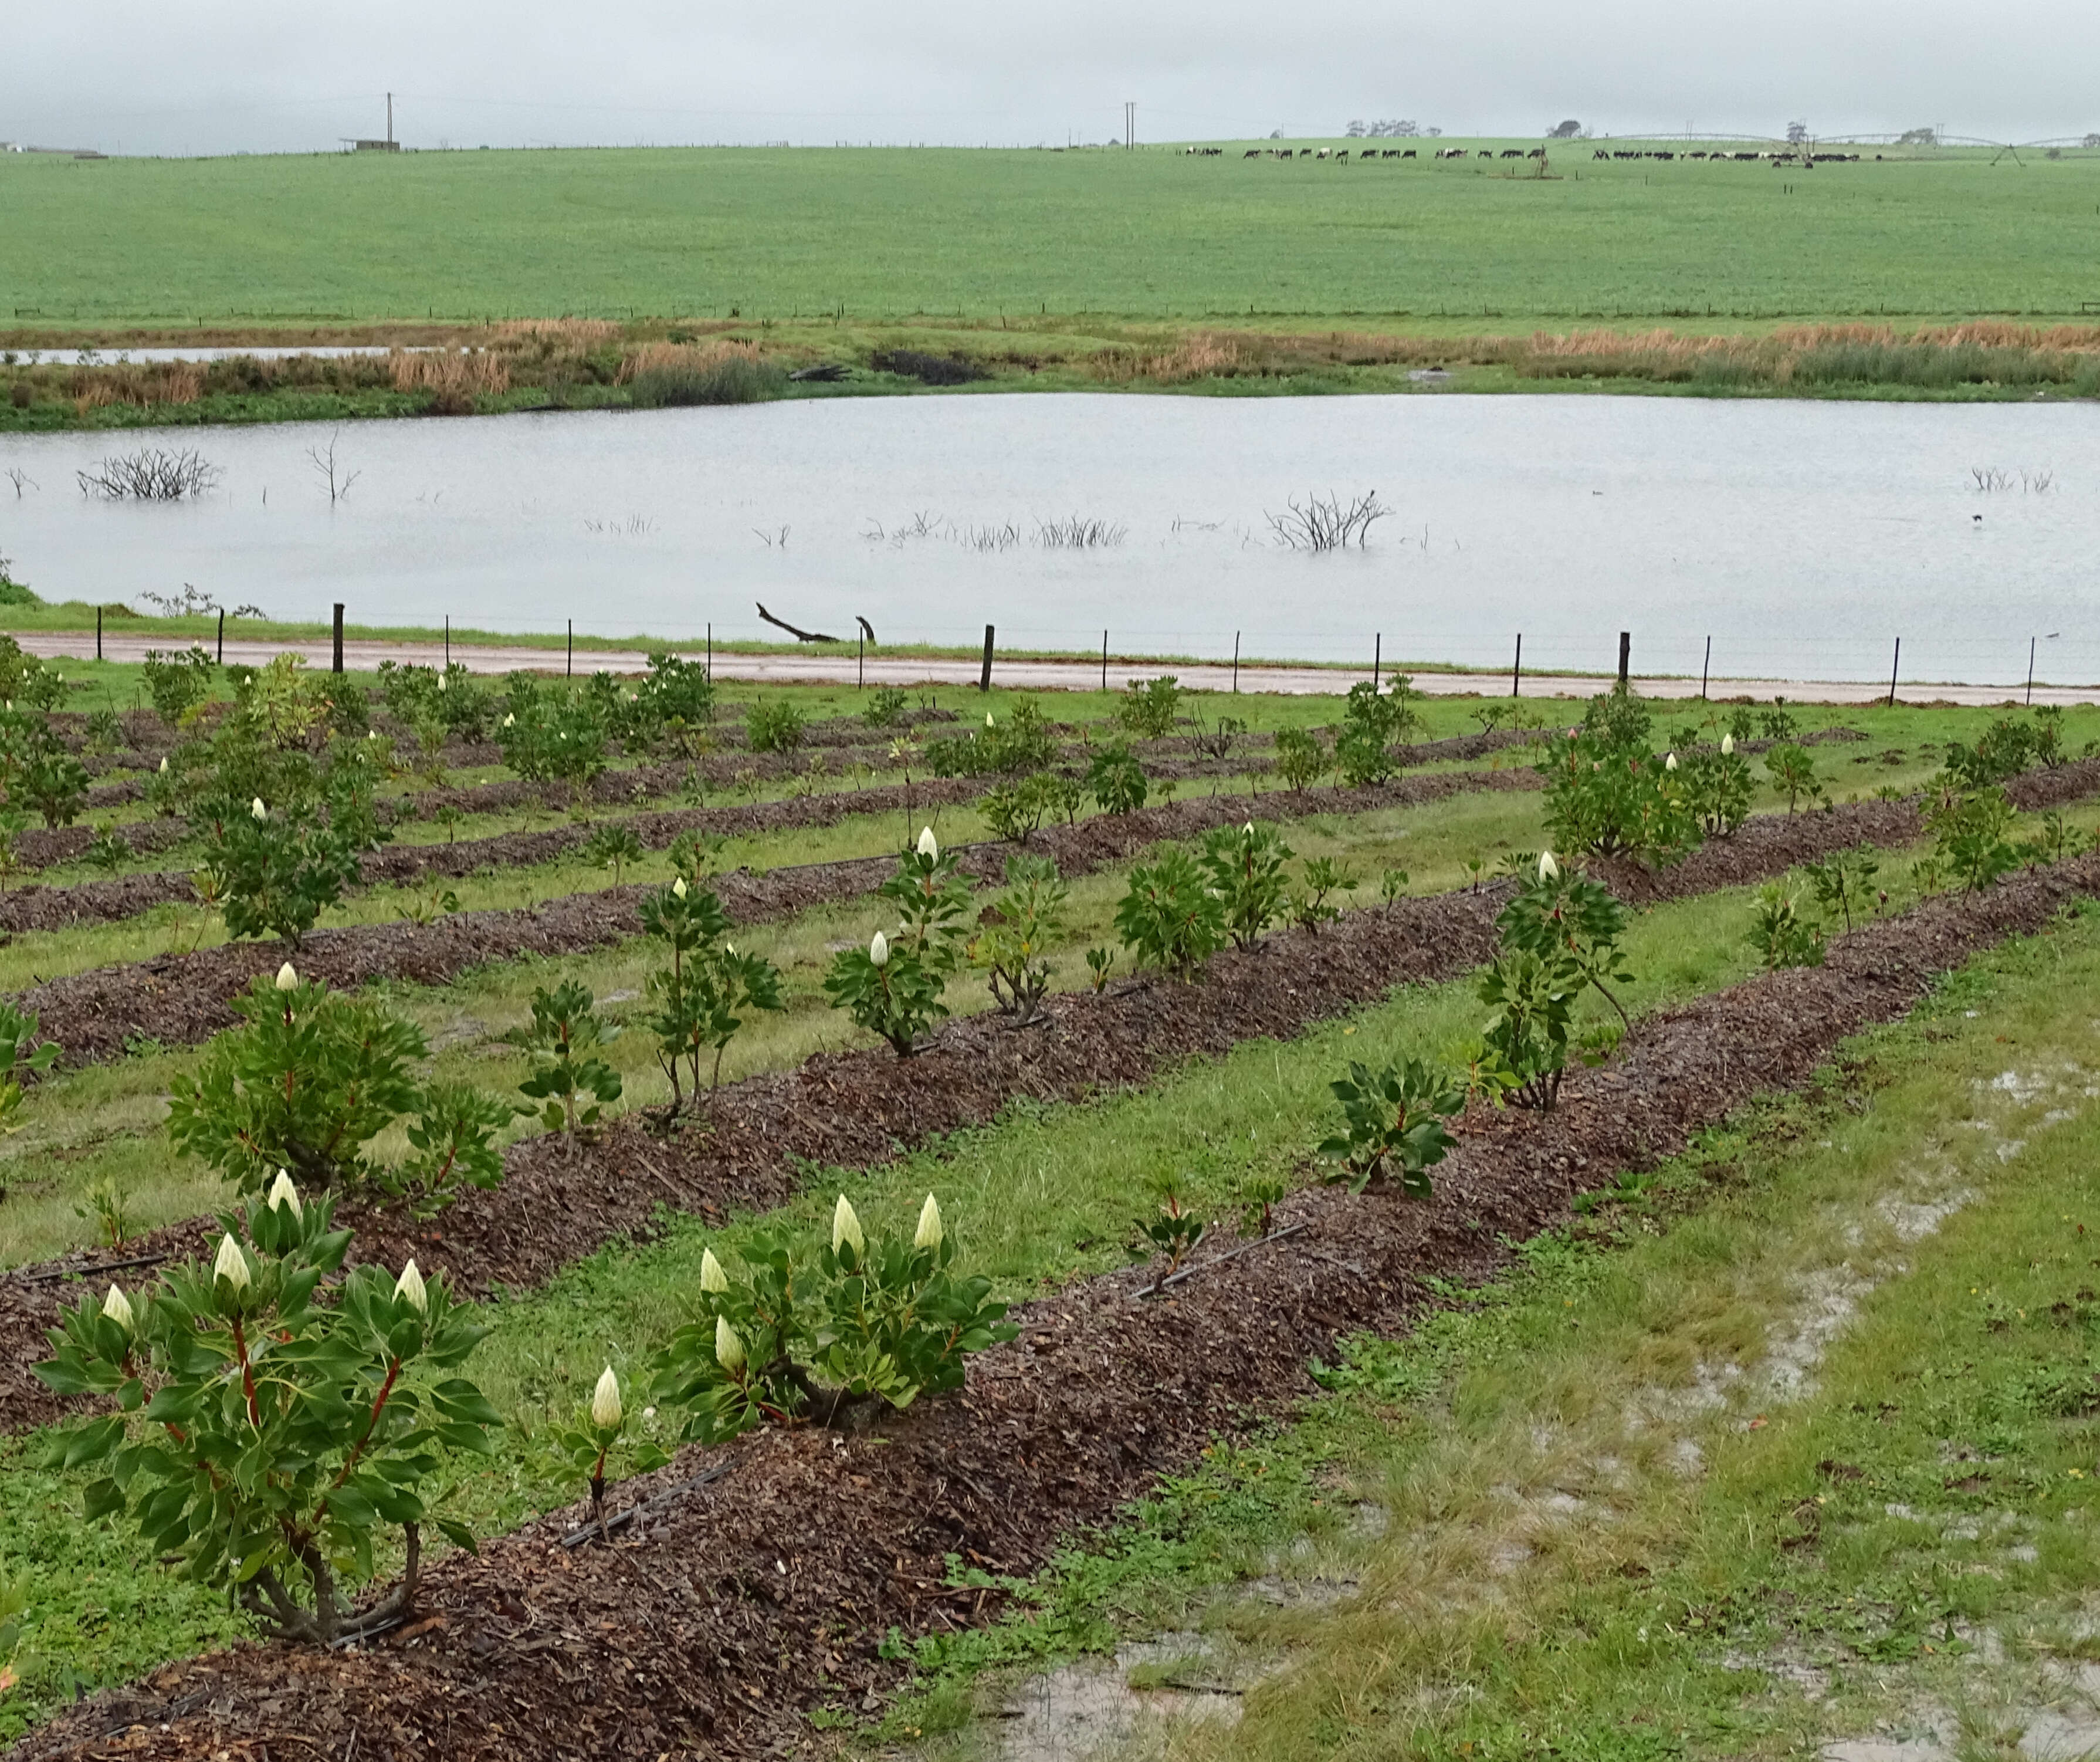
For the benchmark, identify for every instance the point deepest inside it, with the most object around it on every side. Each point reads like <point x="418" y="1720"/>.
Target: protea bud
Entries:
<point x="1669" y="761"/>
<point x="878" y="951"/>
<point x="729" y="1349"/>
<point x="678" y="887"/>
<point x="163" y="767"/>
<point x="231" y="1264"/>
<point x="288" y="978"/>
<point x="712" y="1278"/>
<point x="441" y="682"/>
<point x="409" y="1288"/>
<point x="117" y="1307"/>
<point x="928" y="844"/>
<point x="1247" y="830"/>
<point x="605" y="1402"/>
<point x="987" y="718"/>
<point x="283" y="1193"/>
<point x="1727" y="746"/>
<point x="257" y="811"/>
<point x="510" y="721"/>
<point x="846" y="1227"/>
<point x="1548" y="869"/>
<point x="929" y="1226"/>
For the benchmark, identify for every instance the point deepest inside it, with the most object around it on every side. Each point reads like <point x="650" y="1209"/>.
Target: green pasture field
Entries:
<point x="1023" y="238"/>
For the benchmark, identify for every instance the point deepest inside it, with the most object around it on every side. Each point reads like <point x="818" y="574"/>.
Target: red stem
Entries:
<point x="247" y="1374"/>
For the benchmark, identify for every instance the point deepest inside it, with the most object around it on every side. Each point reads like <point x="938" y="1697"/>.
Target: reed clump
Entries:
<point x="452" y="374"/>
<point x="548" y="337"/>
<point x="665" y="375"/>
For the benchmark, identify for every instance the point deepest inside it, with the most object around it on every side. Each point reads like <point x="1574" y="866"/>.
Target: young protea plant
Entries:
<point x="590" y="1444"/>
<point x="335" y="1411"/>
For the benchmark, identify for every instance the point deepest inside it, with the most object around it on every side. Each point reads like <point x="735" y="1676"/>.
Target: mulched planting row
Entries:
<point x="44" y="909"/>
<point x="180" y="999"/>
<point x="721" y="1619"/>
<point x="854" y="1109"/>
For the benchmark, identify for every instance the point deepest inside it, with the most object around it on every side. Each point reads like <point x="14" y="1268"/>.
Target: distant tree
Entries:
<point x="1567" y="131"/>
<point x="2090" y="140"/>
<point x="1354" y="131"/>
<point x="1917" y="138"/>
<point x="1797" y="133"/>
<point x="1432" y="133"/>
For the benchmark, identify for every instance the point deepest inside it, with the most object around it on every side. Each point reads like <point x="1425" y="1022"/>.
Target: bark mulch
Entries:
<point x="181" y="998"/>
<point x="856" y="1109"/>
<point x="718" y="1621"/>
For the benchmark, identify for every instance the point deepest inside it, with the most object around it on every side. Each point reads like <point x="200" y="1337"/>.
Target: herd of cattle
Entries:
<point x="1791" y="156"/>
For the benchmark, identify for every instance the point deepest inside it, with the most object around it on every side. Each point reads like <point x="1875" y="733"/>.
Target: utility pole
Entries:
<point x="1129" y="124"/>
<point x="390" y="119"/>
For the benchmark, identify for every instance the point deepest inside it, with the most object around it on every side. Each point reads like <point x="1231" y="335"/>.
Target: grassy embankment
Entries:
<point x="1299" y="277"/>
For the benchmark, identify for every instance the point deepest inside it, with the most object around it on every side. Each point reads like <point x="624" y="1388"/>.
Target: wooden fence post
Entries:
<point x="1626" y="656"/>
<point x="338" y="637"/>
<point x="984" y="678"/>
<point x="1516" y="670"/>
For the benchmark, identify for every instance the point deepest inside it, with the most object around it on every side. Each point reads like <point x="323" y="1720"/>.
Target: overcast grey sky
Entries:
<point x="219" y="76"/>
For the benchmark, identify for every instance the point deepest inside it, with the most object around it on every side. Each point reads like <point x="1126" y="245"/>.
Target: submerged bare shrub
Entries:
<point x="153" y="474"/>
<point x="1328" y="523"/>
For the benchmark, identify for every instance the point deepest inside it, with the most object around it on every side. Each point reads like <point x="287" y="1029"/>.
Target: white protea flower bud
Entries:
<point x="510" y="721"/>
<point x="163" y="767"/>
<point x="441" y="682"/>
<point x="409" y="1288"/>
<point x="712" y="1278"/>
<point x="117" y="1307"/>
<point x="987" y="718"/>
<point x="878" y="950"/>
<point x="605" y="1408"/>
<point x="1548" y="869"/>
<point x="846" y="1227"/>
<point x="1247" y="830"/>
<point x="256" y="810"/>
<point x="1669" y="761"/>
<point x="929" y="1225"/>
<point x="678" y="887"/>
<point x="283" y="1193"/>
<point x="1727" y="746"/>
<point x="928" y="844"/>
<point x="231" y="1264"/>
<point x="288" y="978"/>
<point x="729" y="1349"/>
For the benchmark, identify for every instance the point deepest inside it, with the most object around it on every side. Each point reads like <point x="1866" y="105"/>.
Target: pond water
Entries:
<point x="1804" y="538"/>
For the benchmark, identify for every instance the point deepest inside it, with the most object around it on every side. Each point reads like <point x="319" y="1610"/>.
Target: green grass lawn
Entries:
<point x="1016" y="236"/>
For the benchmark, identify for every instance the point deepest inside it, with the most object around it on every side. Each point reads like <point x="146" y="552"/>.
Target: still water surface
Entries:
<point x="1802" y="537"/>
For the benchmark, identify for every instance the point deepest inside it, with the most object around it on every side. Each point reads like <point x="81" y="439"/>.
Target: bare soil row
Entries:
<point x="724" y="1619"/>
